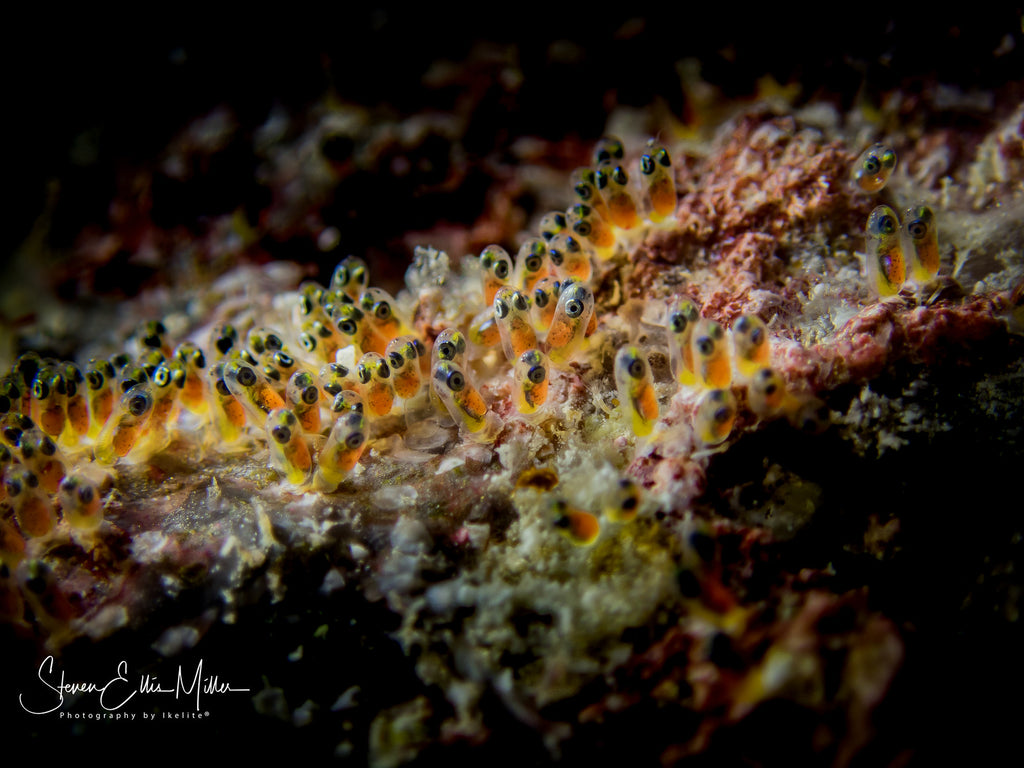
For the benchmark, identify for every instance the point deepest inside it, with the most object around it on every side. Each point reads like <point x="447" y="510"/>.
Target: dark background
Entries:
<point x="130" y="88"/>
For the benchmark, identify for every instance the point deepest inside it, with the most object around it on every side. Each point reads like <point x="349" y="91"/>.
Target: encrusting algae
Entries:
<point x="556" y="414"/>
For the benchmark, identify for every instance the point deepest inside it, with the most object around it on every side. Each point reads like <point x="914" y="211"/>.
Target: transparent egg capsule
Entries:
<point x="333" y="299"/>
<point x="551" y="223"/>
<point x="512" y="314"/>
<point x="569" y="259"/>
<point x="483" y="329"/>
<point x="320" y="340"/>
<point x="351" y="276"/>
<point x="251" y="388"/>
<point x="766" y="392"/>
<point x="585" y="186"/>
<point x="449" y="346"/>
<point x="39" y="453"/>
<point x="80" y="502"/>
<point x="346" y="400"/>
<point x="12" y="426"/>
<point x="228" y="414"/>
<point x="193" y="392"/>
<point x="381" y="311"/>
<point x="570" y="322"/>
<point x="659" y="183"/>
<point x="545" y="300"/>
<point x="715" y="415"/>
<point x="302" y="397"/>
<point x="23" y="374"/>
<point x="278" y="366"/>
<point x="288" y="452"/>
<point x="10" y="394"/>
<point x="613" y="183"/>
<point x="495" y="271"/>
<point x="577" y="525"/>
<point x="128" y="376"/>
<point x="750" y="344"/>
<point x="99" y="384"/>
<point x="711" y="355"/>
<point x="310" y="302"/>
<point x="357" y="330"/>
<point x="884" y="262"/>
<point x="873" y="168"/>
<point x="403" y="356"/>
<point x="33" y="510"/>
<point x="682" y="320"/>
<point x="223" y="339"/>
<point x="76" y="405"/>
<point x="152" y="335"/>
<point x="341" y="452"/>
<point x="262" y="339"/>
<point x="609" y="150"/>
<point x="335" y="377"/>
<point x="530" y="376"/>
<point x="168" y="382"/>
<point x="376" y="386"/>
<point x="126" y="424"/>
<point x="922" y="238"/>
<point x="587" y="225"/>
<point x="464" y="403"/>
<point x="636" y="390"/>
<point x="532" y="264"/>
<point x="49" y="395"/>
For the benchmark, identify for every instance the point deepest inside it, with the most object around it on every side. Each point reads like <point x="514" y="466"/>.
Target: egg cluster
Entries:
<point x="890" y="240"/>
<point x="348" y="362"/>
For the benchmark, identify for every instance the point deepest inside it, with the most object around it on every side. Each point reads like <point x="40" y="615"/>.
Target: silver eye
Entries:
<point x="500" y="308"/>
<point x="246" y="376"/>
<point x="139" y="404"/>
<point x="573" y="308"/>
<point x="456" y="381"/>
